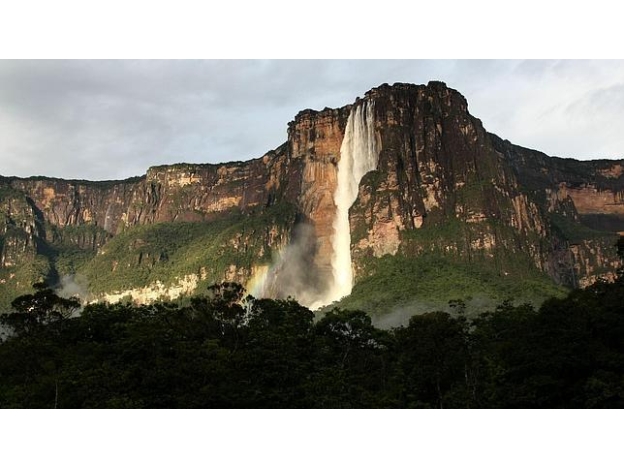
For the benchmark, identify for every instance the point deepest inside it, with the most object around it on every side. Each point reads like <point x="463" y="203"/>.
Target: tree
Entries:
<point x="353" y="359"/>
<point x="40" y="308"/>
<point x="433" y="360"/>
<point x="620" y="252"/>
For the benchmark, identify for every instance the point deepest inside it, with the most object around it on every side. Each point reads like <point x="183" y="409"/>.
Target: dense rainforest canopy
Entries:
<point x="224" y="350"/>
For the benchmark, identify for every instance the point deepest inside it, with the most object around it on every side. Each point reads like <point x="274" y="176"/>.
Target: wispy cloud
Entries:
<point x="113" y="119"/>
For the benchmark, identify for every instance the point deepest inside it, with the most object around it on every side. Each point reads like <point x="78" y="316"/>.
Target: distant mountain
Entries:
<point x="401" y="198"/>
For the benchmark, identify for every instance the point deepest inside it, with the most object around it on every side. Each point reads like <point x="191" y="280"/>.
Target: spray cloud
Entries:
<point x="73" y="286"/>
<point x="292" y="272"/>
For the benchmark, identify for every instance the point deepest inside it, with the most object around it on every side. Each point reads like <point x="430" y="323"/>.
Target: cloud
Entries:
<point x="113" y="119"/>
<point x="553" y="106"/>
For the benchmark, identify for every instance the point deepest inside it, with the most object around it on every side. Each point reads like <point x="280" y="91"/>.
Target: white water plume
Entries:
<point x="359" y="154"/>
<point x="291" y="273"/>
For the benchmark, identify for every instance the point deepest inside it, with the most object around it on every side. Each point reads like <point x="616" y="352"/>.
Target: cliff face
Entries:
<point x="18" y="229"/>
<point x="438" y="167"/>
<point x="314" y="139"/>
<point x="443" y="184"/>
<point x="181" y="192"/>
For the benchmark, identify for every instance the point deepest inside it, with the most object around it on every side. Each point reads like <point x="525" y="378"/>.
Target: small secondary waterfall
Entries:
<point x="358" y="155"/>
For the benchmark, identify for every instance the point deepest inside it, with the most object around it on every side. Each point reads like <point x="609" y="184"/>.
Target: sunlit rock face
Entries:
<point x="381" y="176"/>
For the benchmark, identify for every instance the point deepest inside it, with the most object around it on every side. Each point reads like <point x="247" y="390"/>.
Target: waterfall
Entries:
<point x="288" y="275"/>
<point x="358" y="155"/>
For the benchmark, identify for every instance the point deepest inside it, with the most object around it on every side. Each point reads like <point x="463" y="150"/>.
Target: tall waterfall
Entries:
<point x="358" y="155"/>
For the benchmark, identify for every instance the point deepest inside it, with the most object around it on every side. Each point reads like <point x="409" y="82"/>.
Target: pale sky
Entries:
<point x="113" y="119"/>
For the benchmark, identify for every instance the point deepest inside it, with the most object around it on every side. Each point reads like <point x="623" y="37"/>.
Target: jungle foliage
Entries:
<point x="228" y="350"/>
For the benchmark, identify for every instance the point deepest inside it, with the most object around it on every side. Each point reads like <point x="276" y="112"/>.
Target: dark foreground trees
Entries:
<point x="227" y="351"/>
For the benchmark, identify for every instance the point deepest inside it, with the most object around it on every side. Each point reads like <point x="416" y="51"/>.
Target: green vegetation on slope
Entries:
<point x="448" y="260"/>
<point x="431" y="280"/>
<point x="73" y="247"/>
<point x="17" y="280"/>
<point x="166" y="252"/>
<point x="576" y="232"/>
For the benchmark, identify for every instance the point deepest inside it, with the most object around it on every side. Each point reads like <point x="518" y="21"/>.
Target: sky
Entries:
<point x="112" y="119"/>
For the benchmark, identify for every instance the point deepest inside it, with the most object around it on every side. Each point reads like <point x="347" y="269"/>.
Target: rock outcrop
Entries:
<point x="443" y="183"/>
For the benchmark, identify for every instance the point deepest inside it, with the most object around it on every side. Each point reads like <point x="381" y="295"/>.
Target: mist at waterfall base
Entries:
<point x="73" y="286"/>
<point x="400" y="315"/>
<point x="292" y="273"/>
